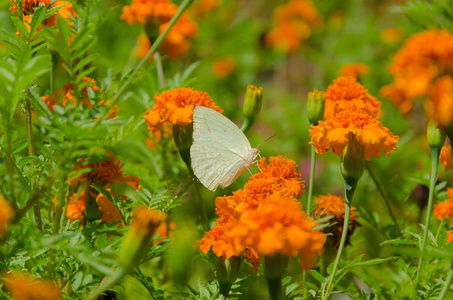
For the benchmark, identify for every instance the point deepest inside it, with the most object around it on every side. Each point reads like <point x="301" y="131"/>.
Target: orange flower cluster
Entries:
<point x="157" y="13"/>
<point x="65" y="10"/>
<point x="353" y="123"/>
<point x="292" y="25"/>
<point x="265" y="218"/>
<point x="6" y="214"/>
<point x="345" y="91"/>
<point x="65" y="96"/>
<point x="176" y="107"/>
<point x="103" y="173"/>
<point x="223" y="66"/>
<point x="422" y="68"/>
<point x="444" y="210"/>
<point x="355" y="70"/>
<point x="330" y="205"/>
<point x="25" y="287"/>
<point x="445" y="157"/>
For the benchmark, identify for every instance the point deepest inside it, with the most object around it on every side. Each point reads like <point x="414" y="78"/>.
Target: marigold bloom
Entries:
<point x="149" y="11"/>
<point x="355" y="70"/>
<point x="297" y="9"/>
<point x="445" y="157"/>
<point x="345" y="91"/>
<point x="423" y="58"/>
<point x="352" y="123"/>
<point x="444" y="210"/>
<point x="76" y="207"/>
<point x="105" y="173"/>
<point x="440" y="104"/>
<point x="330" y="205"/>
<point x="450" y="236"/>
<point x="110" y="212"/>
<point x="216" y="239"/>
<point x="278" y="226"/>
<point x="176" y="107"/>
<point x="223" y="66"/>
<point x="25" y="287"/>
<point x="6" y="214"/>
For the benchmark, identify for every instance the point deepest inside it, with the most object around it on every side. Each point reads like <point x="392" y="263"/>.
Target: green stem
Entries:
<point x="203" y="206"/>
<point x="432" y="184"/>
<point x="312" y="179"/>
<point x="447" y="284"/>
<point x="439" y="229"/>
<point x="386" y="201"/>
<point x="160" y="70"/>
<point x="184" y="5"/>
<point x="275" y="288"/>
<point x="349" y="188"/>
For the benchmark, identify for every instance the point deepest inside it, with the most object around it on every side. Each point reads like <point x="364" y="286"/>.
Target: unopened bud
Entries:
<point x="183" y="140"/>
<point x="315" y="106"/>
<point x="252" y="106"/>
<point x="436" y="137"/>
<point x="353" y="159"/>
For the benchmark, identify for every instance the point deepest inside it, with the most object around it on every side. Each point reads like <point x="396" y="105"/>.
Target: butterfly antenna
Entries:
<point x="263" y="141"/>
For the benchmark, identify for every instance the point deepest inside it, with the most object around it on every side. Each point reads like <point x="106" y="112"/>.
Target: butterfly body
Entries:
<point x="220" y="152"/>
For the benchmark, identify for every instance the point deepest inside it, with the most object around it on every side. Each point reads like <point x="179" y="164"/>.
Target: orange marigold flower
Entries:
<point x="424" y="57"/>
<point x="76" y="207"/>
<point x="25" y="287"/>
<point x="440" y="104"/>
<point x="444" y="210"/>
<point x="176" y="107"/>
<point x="445" y="157"/>
<point x="353" y="123"/>
<point x="223" y="66"/>
<point x="450" y="236"/>
<point x="149" y="11"/>
<point x="110" y="212"/>
<point x="355" y="70"/>
<point x="299" y="10"/>
<point x="105" y="173"/>
<point x="330" y="205"/>
<point x="216" y="239"/>
<point x="6" y="214"/>
<point x="345" y="91"/>
<point x="278" y="226"/>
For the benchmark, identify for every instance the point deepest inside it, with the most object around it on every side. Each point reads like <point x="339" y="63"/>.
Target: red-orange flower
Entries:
<point x="223" y="66"/>
<point x="352" y="123"/>
<point x="105" y="173"/>
<point x="176" y="107"/>
<point x="424" y="57"/>
<point x="445" y="157"/>
<point x="25" y="287"/>
<point x="355" y="70"/>
<point x="444" y="210"/>
<point x="6" y="214"/>
<point x="149" y="11"/>
<point x="278" y="226"/>
<point x="345" y="91"/>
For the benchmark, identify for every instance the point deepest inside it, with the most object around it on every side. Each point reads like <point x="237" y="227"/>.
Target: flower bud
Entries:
<point x="315" y="106"/>
<point x="436" y="137"/>
<point x="183" y="140"/>
<point x="137" y="240"/>
<point x="227" y="272"/>
<point x="353" y="159"/>
<point x="252" y="106"/>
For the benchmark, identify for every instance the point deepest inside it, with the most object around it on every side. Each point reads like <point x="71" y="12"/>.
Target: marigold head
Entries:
<point x="177" y="41"/>
<point x="149" y="12"/>
<point x="287" y="36"/>
<point x="223" y="66"/>
<point x="25" y="287"/>
<point x="355" y="70"/>
<point x="278" y="226"/>
<point x="176" y="107"/>
<point x="6" y="214"/>
<point x="445" y="157"/>
<point x="444" y="210"/>
<point x="345" y="91"/>
<point x="76" y="207"/>
<point x="336" y="131"/>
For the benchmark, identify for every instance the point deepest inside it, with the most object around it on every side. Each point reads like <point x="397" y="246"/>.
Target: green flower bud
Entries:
<point x="315" y="106"/>
<point x="252" y="106"/>
<point x="436" y="136"/>
<point x="227" y="272"/>
<point x="353" y="159"/>
<point x="183" y="140"/>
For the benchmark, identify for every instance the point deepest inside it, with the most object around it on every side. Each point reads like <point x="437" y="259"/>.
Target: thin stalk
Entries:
<point x="386" y="201"/>
<point x="203" y="206"/>
<point x="447" y="284"/>
<point x="349" y="188"/>
<point x="441" y="225"/>
<point x="432" y="184"/>
<point x="276" y="288"/>
<point x="184" y="5"/>
<point x="304" y="275"/>
<point x="312" y="179"/>
<point x="31" y="153"/>
<point x="160" y="70"/>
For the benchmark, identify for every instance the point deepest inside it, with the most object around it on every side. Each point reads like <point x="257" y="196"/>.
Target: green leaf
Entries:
<point x="317" y="276"/>
<point x="77" y="280"/>
<point x="103" y="191"/>
<point x="26" y="160"/>
<point x="399" y="242"/>
<point x="19" y="146"/>
<point x="372" y="262"/>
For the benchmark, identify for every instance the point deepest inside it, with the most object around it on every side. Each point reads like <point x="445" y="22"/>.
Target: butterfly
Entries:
<point x="220" y="152"/>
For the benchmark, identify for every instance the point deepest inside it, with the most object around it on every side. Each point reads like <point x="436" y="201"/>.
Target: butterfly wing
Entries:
<point x="220" y="151"/>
